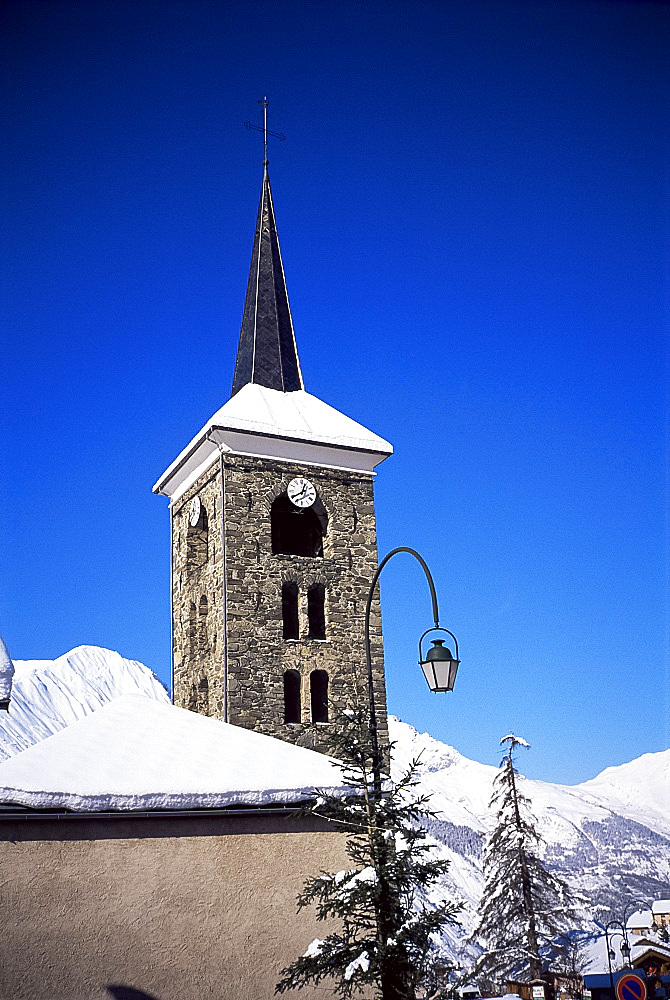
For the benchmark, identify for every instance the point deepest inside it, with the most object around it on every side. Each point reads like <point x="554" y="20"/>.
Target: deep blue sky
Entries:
<point x="472" y="202"/>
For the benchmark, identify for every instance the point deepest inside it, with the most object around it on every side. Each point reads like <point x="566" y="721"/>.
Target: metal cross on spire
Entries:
<point x="265" y="131"/>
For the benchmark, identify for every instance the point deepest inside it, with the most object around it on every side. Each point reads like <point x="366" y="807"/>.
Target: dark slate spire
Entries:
<point x="266" y="353"/>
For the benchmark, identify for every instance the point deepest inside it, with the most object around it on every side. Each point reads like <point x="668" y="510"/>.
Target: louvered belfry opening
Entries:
<point x="295" y="532"/>
<point x="289" y="607"/>
<point x="291" y="696"/>
<point x="318" y="690"/>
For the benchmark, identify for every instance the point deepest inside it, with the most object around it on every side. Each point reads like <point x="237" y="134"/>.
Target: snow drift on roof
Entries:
<point x="139" y="753"/>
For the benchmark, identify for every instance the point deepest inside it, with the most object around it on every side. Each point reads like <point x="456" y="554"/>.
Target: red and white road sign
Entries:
<point x="631" y="986"/>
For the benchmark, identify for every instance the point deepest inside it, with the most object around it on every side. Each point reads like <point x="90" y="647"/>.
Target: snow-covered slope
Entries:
<point x="639" y="790"/>
<point x="608" y="837"/>
<point x="48" y="695"/>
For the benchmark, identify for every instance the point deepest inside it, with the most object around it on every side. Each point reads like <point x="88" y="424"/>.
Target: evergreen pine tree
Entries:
<point x="525" y="908"/>
<point x="384" y="929"/>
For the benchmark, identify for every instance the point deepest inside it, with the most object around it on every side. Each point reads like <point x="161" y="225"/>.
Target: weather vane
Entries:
<point x="264" y="130"/>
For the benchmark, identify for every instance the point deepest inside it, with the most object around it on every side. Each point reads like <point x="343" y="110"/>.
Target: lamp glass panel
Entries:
<point x="443" y="673"/>
<point x="440" y="674"/>
<point x="427" y="668"/>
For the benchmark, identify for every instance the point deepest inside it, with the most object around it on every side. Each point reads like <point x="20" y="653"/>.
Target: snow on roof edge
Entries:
<point x="300" y="430"/>
<point x="72" y="802"/>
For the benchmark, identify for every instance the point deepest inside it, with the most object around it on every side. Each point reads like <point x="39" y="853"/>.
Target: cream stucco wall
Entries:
<point x="176" y="909"/>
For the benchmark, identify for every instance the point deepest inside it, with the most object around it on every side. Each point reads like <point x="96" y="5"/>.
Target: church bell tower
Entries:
<point x="273" y="538"/>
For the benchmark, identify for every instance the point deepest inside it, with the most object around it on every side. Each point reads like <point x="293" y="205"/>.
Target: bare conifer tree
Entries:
<point x="525" y="908"/>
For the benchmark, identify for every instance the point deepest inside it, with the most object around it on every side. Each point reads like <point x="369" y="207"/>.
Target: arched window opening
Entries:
<point x="291" y="696"/>
<point x="203" y="696"/>
<point x="197" y="542"/>
<point x="297" y="532"/>
<point x="289" y="610"/>
<point x="203" y="642"/>
<point x="192" y="630"/>
<point x="318" y="691"/>
<point x="316" y="611"/>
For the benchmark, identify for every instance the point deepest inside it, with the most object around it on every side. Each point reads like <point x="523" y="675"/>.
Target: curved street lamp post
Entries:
<point x="622" y="930"/>
<point x="610" y="951"/>
<point x="439" y="666"/>
<point x="439" y="669"/>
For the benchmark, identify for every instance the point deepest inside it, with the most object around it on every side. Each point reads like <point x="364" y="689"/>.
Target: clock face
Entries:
<point x="301" y="492"/>
<point x="194" y="512"/>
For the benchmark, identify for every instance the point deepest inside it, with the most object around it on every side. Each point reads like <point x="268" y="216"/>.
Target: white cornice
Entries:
<point x="288" y="426"/>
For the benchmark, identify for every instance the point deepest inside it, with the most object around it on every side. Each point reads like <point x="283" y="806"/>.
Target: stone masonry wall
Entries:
<point x="258" y="655"/>
<point x="198" y="640"/>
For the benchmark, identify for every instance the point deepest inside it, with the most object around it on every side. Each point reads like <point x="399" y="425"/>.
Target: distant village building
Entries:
<point x="649" y="956"/>
<point x="273" y="536"/>
<point x="650" y="951"/>
<point x="644" y="921"/>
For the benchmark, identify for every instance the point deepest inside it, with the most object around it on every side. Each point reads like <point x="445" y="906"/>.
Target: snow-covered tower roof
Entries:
<point x="269" y="414"/>
<point x="6" y="674"/>
<point x="267" y="423"/>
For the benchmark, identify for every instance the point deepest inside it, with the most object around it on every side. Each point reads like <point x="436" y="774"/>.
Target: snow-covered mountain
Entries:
<point x="608" y="837"/>
<point x="48" y="695"/>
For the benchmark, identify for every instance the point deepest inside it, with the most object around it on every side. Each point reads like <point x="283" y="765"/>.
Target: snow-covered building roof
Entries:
<point x="138" y="753"/>
<point x="660" y="906"/>
<point x="270" y="415"/>
<point x="647" y="948"/>
<point x="639" y="945"/>
<point x="268" y="423"/>
<point x="640" y="919"/>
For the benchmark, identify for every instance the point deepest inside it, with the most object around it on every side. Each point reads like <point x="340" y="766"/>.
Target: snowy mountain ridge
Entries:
<point x="640" y="787"/>
<point x="638" y="790"/>
<point x="609" y="837"/>
<point x="48" y="695"/>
